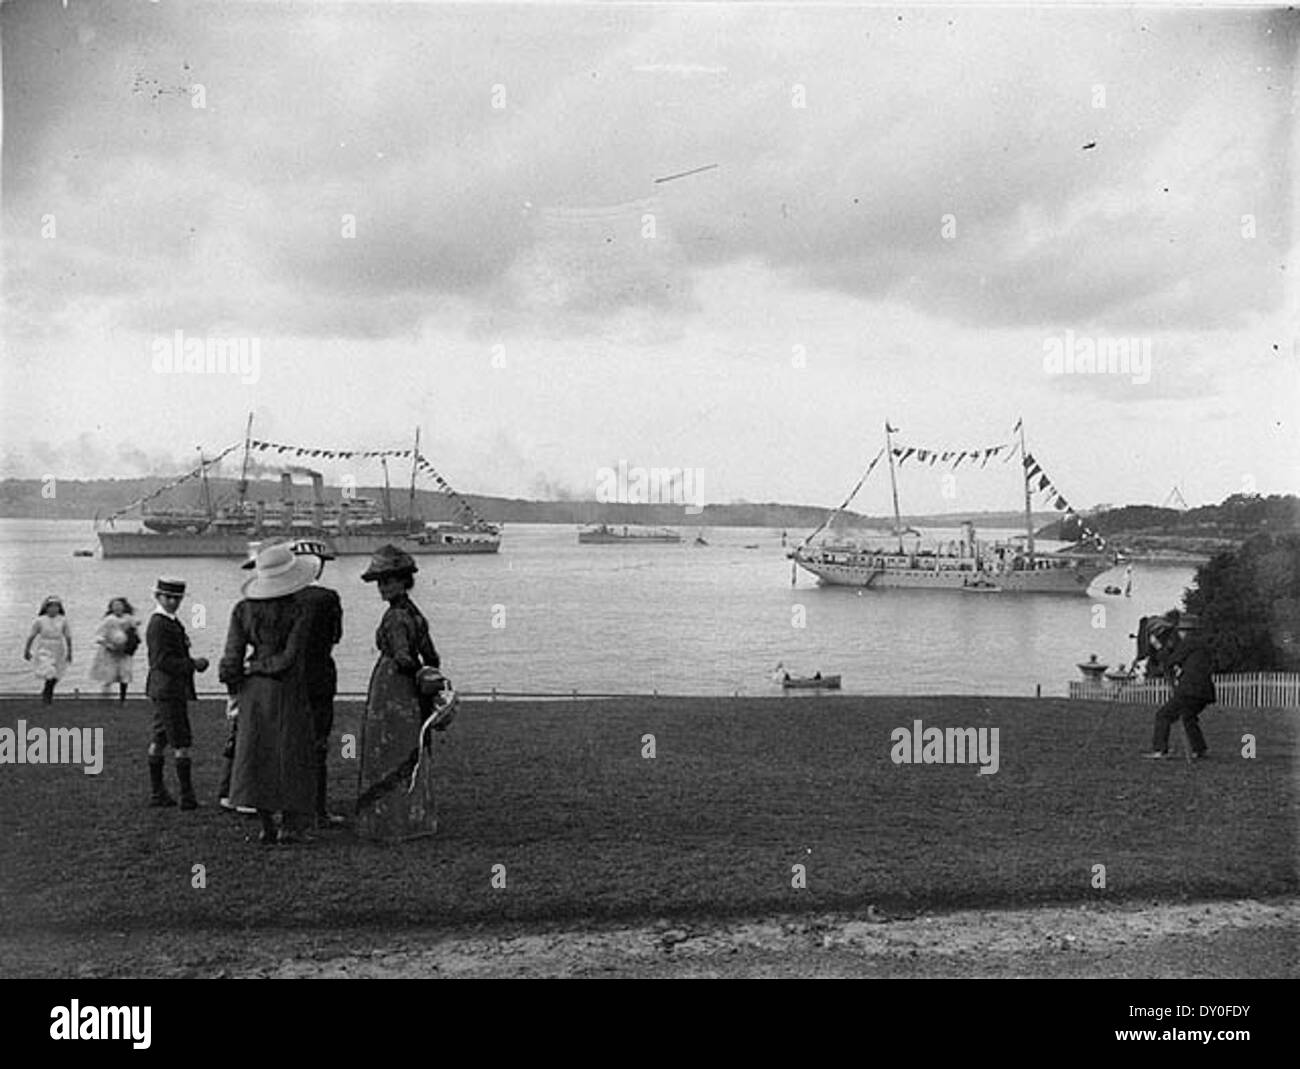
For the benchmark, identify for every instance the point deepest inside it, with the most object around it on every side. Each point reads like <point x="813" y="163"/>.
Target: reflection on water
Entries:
<point x="549" y="615"/>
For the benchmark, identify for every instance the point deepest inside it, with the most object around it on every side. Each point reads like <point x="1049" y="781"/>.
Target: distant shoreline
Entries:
<point x="22" y="499"/>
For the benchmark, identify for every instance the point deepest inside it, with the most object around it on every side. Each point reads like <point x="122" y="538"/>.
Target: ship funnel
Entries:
<point x="317" y="500"/>
<point x="286" y="497"/>
<point x="968" y="538"/>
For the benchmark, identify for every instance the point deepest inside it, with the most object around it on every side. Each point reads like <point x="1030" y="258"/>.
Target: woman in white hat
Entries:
<point x="263" y="669"/>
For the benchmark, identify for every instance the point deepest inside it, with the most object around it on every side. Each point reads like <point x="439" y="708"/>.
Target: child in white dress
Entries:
<point x="49" y="646"/>
<point x="118" y="637"/>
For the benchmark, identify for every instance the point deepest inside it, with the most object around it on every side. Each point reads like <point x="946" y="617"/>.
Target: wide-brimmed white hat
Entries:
<point x="279" y="573"/>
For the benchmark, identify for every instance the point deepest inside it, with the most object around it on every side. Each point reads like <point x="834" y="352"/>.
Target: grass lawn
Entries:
<point x="740" y="790"/>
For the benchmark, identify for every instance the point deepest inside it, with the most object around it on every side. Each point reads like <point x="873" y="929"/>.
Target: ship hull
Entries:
<point x="123" y="544"/>
<point x="627" y="540"/>
<point x="1068" y="580"/>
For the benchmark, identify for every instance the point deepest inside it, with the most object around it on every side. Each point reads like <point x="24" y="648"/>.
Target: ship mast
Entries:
<point x="243" y="471"/>
<point x="203" y="474"/>
<point x="1029" y="514"/>
<point x="410" y="508"/>
<point x="893" y="483"/>
<point x="388" y="501"/>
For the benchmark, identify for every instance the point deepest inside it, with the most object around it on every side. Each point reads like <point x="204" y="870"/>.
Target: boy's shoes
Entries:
<point x="1157" y="755"/>
<point x="245" y="810"/>
<point x="226" y="804"/>
<point x="160" y="800"/>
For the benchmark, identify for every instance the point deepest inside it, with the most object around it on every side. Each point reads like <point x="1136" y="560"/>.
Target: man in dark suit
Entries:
<point x="324" y="632"/>
<point x="171" y="686"/>
<point x="1187" y="664"/>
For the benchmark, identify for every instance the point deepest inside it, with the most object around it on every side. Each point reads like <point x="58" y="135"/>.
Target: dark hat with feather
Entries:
<point x="389" y="560"/>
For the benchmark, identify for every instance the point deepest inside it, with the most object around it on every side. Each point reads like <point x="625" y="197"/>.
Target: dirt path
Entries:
<point x="1211" y="939"/>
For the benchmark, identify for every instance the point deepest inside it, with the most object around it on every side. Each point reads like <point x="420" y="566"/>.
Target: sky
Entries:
<point x="466" y="218"/>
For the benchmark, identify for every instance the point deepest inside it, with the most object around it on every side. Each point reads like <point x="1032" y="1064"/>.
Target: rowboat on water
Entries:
<point x="817" y="681"/>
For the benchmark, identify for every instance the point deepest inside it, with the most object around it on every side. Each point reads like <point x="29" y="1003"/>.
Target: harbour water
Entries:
<point x="549" y="615"/>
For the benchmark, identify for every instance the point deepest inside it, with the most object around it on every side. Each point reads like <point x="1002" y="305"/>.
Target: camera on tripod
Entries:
<point x="1157" y="633"/>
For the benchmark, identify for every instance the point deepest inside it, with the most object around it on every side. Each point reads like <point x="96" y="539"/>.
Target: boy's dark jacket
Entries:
<point x="171" y="669"/>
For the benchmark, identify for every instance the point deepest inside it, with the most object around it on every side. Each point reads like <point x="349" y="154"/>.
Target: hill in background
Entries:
<point x="85" y="499"/>
<point x="1147" y="529"/>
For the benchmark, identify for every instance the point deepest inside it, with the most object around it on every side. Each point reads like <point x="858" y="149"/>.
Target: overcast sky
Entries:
<point x="449" y="216"/>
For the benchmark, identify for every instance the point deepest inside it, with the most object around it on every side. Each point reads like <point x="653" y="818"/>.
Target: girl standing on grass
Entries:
<point x="52" y="640"/>
<point x="118" y="637"/>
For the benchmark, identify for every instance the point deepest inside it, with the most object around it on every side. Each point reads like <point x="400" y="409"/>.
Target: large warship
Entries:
<point x="349" y="526"/>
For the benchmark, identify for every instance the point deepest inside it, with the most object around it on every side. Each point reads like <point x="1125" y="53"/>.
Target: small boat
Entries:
<point x="981" y="586"/>
<point x="83" y="552"/>
<point x="605" y="535"/>
<point x="814" y="682"/>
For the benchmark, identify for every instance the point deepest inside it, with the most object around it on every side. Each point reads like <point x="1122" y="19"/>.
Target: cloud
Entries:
<point x="90" y="455"/>
<point x="386" y="124"/>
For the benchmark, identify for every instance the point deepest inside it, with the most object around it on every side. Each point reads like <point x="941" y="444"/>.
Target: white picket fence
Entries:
<point x="1238" y="690"/>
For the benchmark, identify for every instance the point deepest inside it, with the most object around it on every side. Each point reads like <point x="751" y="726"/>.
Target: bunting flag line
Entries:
<point x="284" y="449"/>
<point x="1033" y="473"/>
<point x="194" y="474"/>
<point x="848" y="500"/>
<point x="326" y="454"/>
<point x="951" y="456"/>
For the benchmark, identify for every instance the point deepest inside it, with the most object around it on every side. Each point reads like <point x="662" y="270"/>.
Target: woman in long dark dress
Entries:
<point x="263" y="669"/>
<point x="395" y="792"/>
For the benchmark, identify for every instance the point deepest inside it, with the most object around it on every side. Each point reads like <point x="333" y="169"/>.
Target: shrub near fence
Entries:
<point x="1240" y="690"/>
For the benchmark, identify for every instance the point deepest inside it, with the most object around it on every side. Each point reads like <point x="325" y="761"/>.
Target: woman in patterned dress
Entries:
<point x="49" y="646"/>
<point x="112" y="662"/>
<point x="395" y="791"/>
